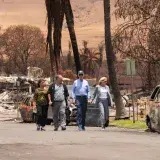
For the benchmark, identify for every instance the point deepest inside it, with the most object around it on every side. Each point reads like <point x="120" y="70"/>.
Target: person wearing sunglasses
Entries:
<point x="81" y="95"/>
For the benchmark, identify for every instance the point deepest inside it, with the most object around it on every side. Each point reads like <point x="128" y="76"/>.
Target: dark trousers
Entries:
<point x="42" y="115"/>
<point x="81" y="102"/>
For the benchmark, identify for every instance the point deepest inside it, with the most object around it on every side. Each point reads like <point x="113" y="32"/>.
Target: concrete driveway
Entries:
<point x="23" y="142"/>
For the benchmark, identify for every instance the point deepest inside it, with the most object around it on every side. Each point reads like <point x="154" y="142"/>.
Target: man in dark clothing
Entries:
<point x="58" y="95"/>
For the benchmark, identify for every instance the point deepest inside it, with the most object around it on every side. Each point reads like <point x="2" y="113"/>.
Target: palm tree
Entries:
<point x="120" y="109"/>
<point x="85" y="46"/>
<point x="100" y="49"/>
<point x="69" y="56"/>
<point x="90" y="59"/>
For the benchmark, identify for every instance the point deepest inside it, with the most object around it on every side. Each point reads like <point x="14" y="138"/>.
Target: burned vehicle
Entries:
<point x="153" y="116"/>
<point x="27" y="111"/>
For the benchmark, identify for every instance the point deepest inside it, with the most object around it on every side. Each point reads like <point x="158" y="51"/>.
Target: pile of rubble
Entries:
<point x="7" y="106"/>
<point x="6" y="102"/>
<point x="11" y="79"/>
<point x="9" y="101"/>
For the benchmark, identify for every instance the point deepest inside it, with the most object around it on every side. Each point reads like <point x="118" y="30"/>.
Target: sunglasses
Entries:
<point x="80" y="74"/>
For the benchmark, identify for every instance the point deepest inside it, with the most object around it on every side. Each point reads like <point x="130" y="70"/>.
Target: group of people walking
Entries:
<point x="57" y="97"/>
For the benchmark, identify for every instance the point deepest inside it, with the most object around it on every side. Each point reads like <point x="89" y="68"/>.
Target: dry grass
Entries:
<point x="129" y="124"/>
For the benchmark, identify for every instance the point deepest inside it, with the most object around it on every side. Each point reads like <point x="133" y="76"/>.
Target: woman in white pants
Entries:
<point x="103" y="100"/>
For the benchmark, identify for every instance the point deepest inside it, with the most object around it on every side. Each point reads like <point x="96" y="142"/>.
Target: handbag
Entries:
<point x="109" y="99"/>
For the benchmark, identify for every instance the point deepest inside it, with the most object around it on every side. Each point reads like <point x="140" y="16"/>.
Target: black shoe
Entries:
<point x="63" y="128"/>
<point x="56" y="129"/>
<point x="42" y="129"/>
<point x="107" y="123"/>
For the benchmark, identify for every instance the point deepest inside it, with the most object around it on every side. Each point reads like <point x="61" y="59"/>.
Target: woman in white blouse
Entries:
<point x="103" y="100"/>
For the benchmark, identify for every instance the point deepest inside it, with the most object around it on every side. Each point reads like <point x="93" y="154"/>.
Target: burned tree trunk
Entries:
<point x="70" y="23"/>
<point x="56" y="9"/>
<point x="120" y="109"/>
<point x="55" y="15"/>
<point x="58" y="24"/>
<point x="49" y="36"/>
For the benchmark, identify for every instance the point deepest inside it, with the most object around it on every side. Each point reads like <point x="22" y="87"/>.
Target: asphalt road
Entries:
<point x="23" y="142"/>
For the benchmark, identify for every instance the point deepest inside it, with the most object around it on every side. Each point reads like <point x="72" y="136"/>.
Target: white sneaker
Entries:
<point x="103" y="129"/>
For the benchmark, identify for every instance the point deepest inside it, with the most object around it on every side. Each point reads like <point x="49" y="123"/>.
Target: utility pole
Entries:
<point x="131" y="70"/>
